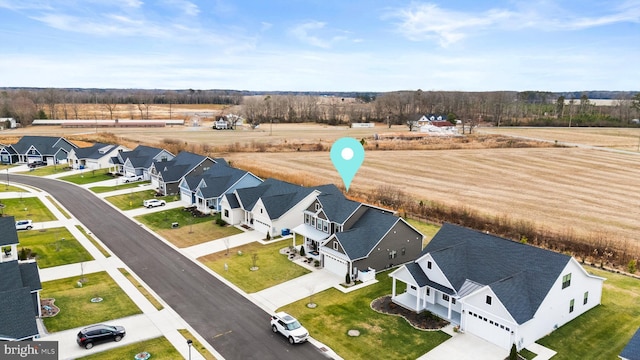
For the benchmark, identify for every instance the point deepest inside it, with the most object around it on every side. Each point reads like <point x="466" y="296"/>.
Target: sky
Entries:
<point x="321" y="45"/>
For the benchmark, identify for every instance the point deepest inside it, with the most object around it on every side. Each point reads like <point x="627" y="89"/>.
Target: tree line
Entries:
<point x="500" y="108"/>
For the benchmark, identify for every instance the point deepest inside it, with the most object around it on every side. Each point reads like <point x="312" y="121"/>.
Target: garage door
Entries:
<point x="484" y="327"/>
<point x="335" y="265"/>
<point x="261" y="227"/>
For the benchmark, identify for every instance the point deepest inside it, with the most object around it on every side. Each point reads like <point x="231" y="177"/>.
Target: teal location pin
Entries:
<point x="347" y="154"/>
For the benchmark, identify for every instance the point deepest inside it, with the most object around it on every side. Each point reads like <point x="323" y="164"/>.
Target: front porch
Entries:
<point x="409" y="301"/>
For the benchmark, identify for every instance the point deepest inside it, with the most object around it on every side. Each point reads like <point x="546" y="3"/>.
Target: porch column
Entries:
<point x="418" y="294"/>
<point x="293" y="240"/>
<point x="449" y="309"/>
<point x="393" y="288"/>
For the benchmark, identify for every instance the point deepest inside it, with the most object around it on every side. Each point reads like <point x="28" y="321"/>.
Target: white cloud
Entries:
<point x="303" y="33"/>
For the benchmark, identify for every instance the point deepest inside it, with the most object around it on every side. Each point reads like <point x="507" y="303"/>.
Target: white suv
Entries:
<point x="288" y="326"/>
<point x="153" y="203"/>
<point x="24" y="225"/>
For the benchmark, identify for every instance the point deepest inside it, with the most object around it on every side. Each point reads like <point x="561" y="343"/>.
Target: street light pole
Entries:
<point x="7" y="177"/>
<point x="189" y="342"/>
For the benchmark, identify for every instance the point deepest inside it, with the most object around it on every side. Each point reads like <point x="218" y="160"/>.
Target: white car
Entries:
<point x="131" y="178"/>
<point x="288" y="326"/>
<point x="153" y="203"/>
<point x="24" y="225"/>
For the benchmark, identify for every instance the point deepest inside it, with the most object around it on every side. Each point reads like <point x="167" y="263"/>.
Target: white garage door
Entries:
<point x="261" y="227"/>
<point x="185" y="197"/>
<point x="484" y="327"/>
<point x="336" y="266"/>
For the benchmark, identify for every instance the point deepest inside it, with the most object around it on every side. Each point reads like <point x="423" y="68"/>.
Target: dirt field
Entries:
<point x="575" y="189"/>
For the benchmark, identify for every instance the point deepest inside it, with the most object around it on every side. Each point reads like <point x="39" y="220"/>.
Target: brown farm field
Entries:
<point x="586" y="190"/>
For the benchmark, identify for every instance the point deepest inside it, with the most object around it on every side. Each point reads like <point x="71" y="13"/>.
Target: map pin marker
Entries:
<point x="347" y="154"/>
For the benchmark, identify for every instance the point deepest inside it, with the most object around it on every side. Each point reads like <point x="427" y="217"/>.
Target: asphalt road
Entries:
<point x="233" y="325"/>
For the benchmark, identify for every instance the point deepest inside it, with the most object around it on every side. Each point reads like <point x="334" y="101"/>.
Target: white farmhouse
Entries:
<point x="500" y="290"/>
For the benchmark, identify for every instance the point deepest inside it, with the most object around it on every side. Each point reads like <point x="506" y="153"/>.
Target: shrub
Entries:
<point x="302" y="250"/>
<point x="316" y="263"/>
<point x="221" y="222"/>
<point x="632" y="266"/>
<point x="347" y="279"/>
<point x="513" y="355"/>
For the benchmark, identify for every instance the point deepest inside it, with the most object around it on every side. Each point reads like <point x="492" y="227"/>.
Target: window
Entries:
<point x="445" y="297"/>
<point x="413" y="287"/>
<point x="317" y="206"/>
<point x="392" y="254"/>
<point x="226" y="213"/>
<point x="428" y="291"/>
<point x="566" y="280"/>
<point x="453" y="301"/>
<point x="428" y="264"/>
<point x="586" y="298"/>
<point x="571" y="305"/>
<point x="403" y="251"/>
<point x="488" y="300"/>
<point x="335" y="245"/>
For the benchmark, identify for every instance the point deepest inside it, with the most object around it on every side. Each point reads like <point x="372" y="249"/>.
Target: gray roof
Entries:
<point x="422" y="280"/>
<point x="278" y="196"/>
<point x="18" y="317"/>
<point x="8" y="230"/>
<point x="218" y="180"/>
<point x="632" y="350"/>
<point x="175" y="169"/>
<point x="141" y="157"/>
<point x="366" y="233"/>
<point x="337" y="208"/>
<point x="96" y="151"/>
<point x="30" y="275"/>
<point x="520" y="275"/>
<point x="46" y="145"/>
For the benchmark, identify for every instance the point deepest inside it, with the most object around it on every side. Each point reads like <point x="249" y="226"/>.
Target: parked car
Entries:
<point x="95" y="334"/>
<point x="131" y="178"/>
<point x="153" y="203"/>
<point x="288" y="326"/>
<point x="35" y="164"/>
<point x="24" y="225"/>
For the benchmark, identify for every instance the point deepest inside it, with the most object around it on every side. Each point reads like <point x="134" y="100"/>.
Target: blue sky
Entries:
<point x="324" y="45"/>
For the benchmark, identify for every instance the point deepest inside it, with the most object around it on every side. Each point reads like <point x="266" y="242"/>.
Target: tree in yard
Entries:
<point x="513" y="354"/>
<point x="254" y="261"/>
<point x="347" y="279"/>
<point x="301" y="250"/>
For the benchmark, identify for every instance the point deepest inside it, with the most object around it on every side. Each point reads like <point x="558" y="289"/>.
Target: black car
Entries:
<point x="95" y="334"/>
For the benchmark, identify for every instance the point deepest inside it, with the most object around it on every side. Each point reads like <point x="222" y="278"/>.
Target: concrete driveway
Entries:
<point x="466" y="347"/>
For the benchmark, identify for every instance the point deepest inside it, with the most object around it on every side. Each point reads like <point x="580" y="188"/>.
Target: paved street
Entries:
<point x="225" y="318"/>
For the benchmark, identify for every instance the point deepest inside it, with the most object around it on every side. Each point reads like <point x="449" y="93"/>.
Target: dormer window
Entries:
<point x="335" y="245"/>
<point x="317" y="206"/>
<point x="488" y="300"/>
<point x="428" y="264"/>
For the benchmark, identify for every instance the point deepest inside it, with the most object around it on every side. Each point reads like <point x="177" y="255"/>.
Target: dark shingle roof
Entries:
<point x="365" y="233"/>
<point x="10" y="276"/>
<point x="337" y="208"/>
<point x="632" y="350"/>
<point x="96" y="151"/>
<point x="278" y="196"/>
<point x="142" y="156"/>
<point x="17" y="318"/>
<point x="519" y="274"/>
<point x="182" y="164"/>
<point x="46" y="145"/>
<point x="30" y="275"/>
<point x="8" y="230"/>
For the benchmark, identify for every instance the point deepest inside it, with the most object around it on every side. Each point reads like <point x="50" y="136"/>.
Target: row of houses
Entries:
<point x="503" y="291"/>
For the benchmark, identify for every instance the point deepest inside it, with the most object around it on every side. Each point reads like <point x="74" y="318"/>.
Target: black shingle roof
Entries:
<point x="46" y="145"/>
<point x="337" y="208"/>
<point x="8" y="231"/>
<point x="182" y="164"/>
<point x="278" y="196"/>
<point x="632" y="350"/>
<point x="365" y="233"/>
<point x="17" y="318"/>
<point x="520" y="275"/>
<point x="96" y="151"/>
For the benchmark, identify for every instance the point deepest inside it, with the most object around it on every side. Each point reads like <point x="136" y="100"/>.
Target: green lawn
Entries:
<point x="10" y="188"/>
<point x="274" y="268"/>
<point x="88" y="176"/>
<point x="103" y="189"/>
<point x="381" y="336"/>
<point x="47" y="170"/>
<point x="134" y="199"/>
<point x="197" y="346"/>
<point x="602" y="332"/>
<point x="26" y="208"/>
<point x="76" y="308"/>
<point x="164" y="219"/>
<point x="93" y="241"/>
<point x="54" y="246"/>
<point x="159" y="348"/>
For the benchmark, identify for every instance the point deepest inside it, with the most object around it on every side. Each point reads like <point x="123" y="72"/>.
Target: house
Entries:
<point x="268" y="208"/>
<point x="168" y="174"/>
<point x="20" y="292"/>
<point x="502" y="291"/>
<point x="632" y="350"/>
<point x="206" y="190"/>
<point x="138" y="161"/>
<point x="349" y="237"/>
<point x="30" y="149"/>
<point x="97" y="156"/>
<point x="436" y="125"/>
<point x="7" y="123"/>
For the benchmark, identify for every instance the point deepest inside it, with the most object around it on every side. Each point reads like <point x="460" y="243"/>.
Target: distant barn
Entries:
<point x="117" y="123"/>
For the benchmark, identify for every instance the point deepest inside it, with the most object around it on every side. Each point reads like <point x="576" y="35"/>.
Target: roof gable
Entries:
<point x="8" y="231"/>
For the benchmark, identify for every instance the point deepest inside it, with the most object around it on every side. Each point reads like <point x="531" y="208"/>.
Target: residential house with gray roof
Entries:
<point x="268" y="208"/>
<point x="29" y="149"/>
<point x="169" y="174"/>
<point x="349" y="237"/>
<point x="94" y="157"/>
<point x="20" y="292"/>
<point x="138" y="161"/>
<point x="500" y="290"/>
<point x="205" y="191"/>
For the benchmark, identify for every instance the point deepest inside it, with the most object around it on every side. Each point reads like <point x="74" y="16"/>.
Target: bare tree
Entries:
<point x="23" y="108"/>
